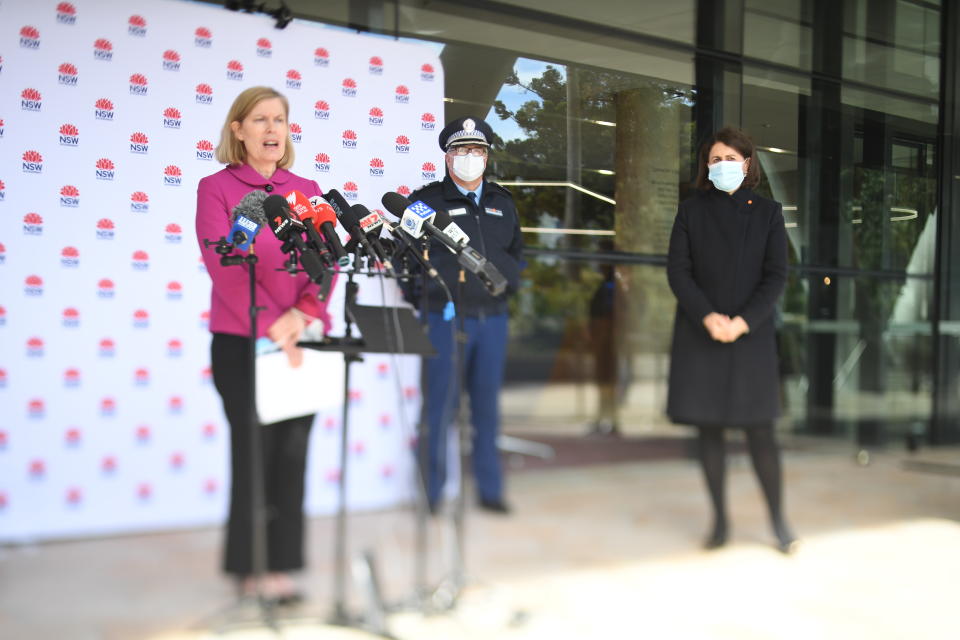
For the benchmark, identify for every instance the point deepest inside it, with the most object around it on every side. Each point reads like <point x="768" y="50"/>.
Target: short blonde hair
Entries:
<point x="230" y="150"/>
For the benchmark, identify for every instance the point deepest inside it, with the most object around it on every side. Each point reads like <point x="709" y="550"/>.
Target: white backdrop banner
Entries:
<point x="109" y="113"/>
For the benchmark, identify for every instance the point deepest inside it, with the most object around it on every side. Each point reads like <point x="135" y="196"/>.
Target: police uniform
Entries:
<point x="494" y="230"/>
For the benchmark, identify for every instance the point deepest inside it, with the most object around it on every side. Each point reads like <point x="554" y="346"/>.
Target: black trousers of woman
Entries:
<point x="765" y="455"/>
<point x="284" y="452"/>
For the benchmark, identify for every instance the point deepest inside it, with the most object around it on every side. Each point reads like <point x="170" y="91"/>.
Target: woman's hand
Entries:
<point x="722" y="328"/>
<point x="286" y="332"/>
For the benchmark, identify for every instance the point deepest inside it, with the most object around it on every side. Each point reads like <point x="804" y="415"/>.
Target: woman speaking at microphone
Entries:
<point x="256" y="147"/>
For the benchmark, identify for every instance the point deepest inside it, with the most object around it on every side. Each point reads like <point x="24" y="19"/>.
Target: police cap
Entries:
<point x="467" y="130"/>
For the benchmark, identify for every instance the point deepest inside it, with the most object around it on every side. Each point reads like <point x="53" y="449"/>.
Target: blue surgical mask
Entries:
<point x="726" y="175"/>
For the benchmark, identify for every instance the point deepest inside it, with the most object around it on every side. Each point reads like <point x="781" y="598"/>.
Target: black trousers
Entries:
<point x="283" y="447"/>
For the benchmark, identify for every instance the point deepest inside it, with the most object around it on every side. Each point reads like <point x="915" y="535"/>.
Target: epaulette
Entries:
<point x="499" y="187"/>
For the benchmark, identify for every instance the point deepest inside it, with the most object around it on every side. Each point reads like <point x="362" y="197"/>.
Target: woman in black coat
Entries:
<point x="727" y="266"/>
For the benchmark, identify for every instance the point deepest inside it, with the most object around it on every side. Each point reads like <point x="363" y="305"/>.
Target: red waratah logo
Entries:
<point x="71" y="318"/>
<point x="376" y="167"/>
<point x="73" y="496"/>
<point x="176" y="460"/>
<point x="68" y="74"/>
<point x="172" y="176"/>
<point x="174" y="290"/>
<point x="69" y="196"/>
<point x="142" y="433"/>
<point x="350" y="139"/>
<point x="73" y="435"/>
<point x="204" y="150"/>
<point x="105" y="169"/>
<point x="105" y="229"/>
<point x="296" y="132"/>
<point x="403" y="190"/>
<point x="321" y="57"/>
<point x="1" y="119"/>
<point x="294" y="79"/>
<point x="33" y="285"/>
<point x="171" y="60"/>
<point x="428" y="121"/>
<point x="209" y="431"/>
<point x="71" y="378"/>
<point x="103" y="49"/>
<point x="402" y="144"/>
<point x="175" y="404"/>
<point x="105" y="289"/>
<point x="234" y="70"/>
<point x="174" y="234"/>
<point x="29" y="37"/>
<point x="141" y="319"/>
<point x="70" y="257"/>
<point x="30" y="99"/>
<point x="321" y="110"/>
<point x="138" y="84"/>
<point x="32" y="161"/>
<point x="35" y="347"/>
<point x="322" y="163"/>
<point x="107" y="348"/>
<point x="137" y="26"/>
<point x="376" y="66"/>
<point x="108" y="464"/>
<point x="204" y="93"/>
<point x="171" y="118"/>
<point x="174" y="348"/>
<point x="3" y="315"/>
<point x="139" y="143"/>
<point x="426" y="72"/>
<point x="428" y="171"/>
<point x="141" y="377"/>
<point x="203" y="38"/>
<point x="140" y="260"/>
<point x="33" y="224"/>
<point x="402" y="94"/>
<point x="69" y="135"/>
<point x="66" y="13"/>
<point x="349" y="87"/>
<point x="3" y="192"/>
<point x="37" y="468"/>
<point x="205" y="319"/>
<point x="376" y="116"/>
<point x="103" y="109"/>
<point x="350" y="190"/>
<point x="108" y="406"/>
<point x="139" y="202"/>
<point x="264" y="48"/>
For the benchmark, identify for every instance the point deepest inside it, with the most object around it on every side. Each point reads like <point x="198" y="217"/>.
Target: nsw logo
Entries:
<point x="105" y="229"/>
<point x="69" y="135"/>
<point x="321" y="57"/>
<point x="349" y="88"/>
<point x="141" y="377"/>
<point x="68" y="74"/>
<point x="204" y="150"/>
<point x="428" y="171"/>
<point x="32" y="224"/>
<point x="264" y="48"/>
<point x="428" y="122"/>
<point x="376" y="116"/>
<point x="172" y="118"/>
<point x="173" y="233"/>
<point x="66" y="13"/>
<point x="141" y="319"/>
<point x="70" y="257"/>
<point x="139" y="202"/>
<point x="137" y="26"/>
<point x="33" y="286"/>
<point x="322" y="163"/>
<point x="139" y="143"/>
<point x="35" y="347"/>
<point x="3" y="385"/>
<point x="203" y="38"/>
<point x="174" y="348"/>
<point x="376" y="168"/>
<point x="205" y="320"/>
<point x="1" y="128"/>
<point x="174" y="290"/>
<point x="171" y="60"/>
<point x="36" y="408"/>
<point x="235" y="70"/>
<point x="376" y="66"/>
<point x="105" y="169"/>
<point x="29" y="37"/>
<point x="3" y="253"/>
<point x="321" y="110"/>
<point x="69" y="196"/>
<point x="175" y="405"/>
<point x="71" y="318"/>
<point x="140" y="260"/>
<point x="103" y="50"/>
<point x="296" y="133"/>
<point x="350" y="190"/>
<point x="426" y="72"/>
<point x="107" y="348"/>
<point x="138" y="84"/>
<point x="108" y="407"/>
<point x="402" y="94"/>
<point x="403" y="190"/>
<point x="294" y="79"/>
<point x="32" y="161"/>
<point x="349" y="139"/>
<point x="172" y="176"/>
<point x="402" y="144"/>
<point x="204" y="93"/>
<point x="73" y="437"/>
<point x="103" y="109"/>
<point x="30" y="99"/>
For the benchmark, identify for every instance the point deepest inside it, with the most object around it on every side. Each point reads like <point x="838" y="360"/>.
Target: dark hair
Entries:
<point x="732" y="137"/>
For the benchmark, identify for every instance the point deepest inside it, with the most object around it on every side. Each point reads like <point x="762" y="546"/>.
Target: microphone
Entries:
<point x="303" y="209"/>
<point x="247" y="218"/>
<point x="451" y="229"/>
<point x="415" y="217"/>
<point x="288" y="229"/>
<point x="326" y="220"/>
<point x="368" y="227"/>
<point x="406" y="245"/>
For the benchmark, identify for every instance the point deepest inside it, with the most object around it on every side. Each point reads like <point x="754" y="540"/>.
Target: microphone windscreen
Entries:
<point x="395" y="203"/>
<point x="251" y="207"/>
<point x="337" y="201"/>
<point x="442" y="219"/>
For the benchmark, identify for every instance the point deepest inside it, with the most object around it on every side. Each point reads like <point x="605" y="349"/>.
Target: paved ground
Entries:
<point x="603" y="551"/>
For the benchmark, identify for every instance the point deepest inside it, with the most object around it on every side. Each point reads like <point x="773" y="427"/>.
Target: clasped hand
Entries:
<point x="723" y="328"/>
<point x="286" y="332"/>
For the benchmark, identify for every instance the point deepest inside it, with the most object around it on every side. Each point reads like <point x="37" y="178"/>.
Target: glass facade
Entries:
<point x="598" y="109"/>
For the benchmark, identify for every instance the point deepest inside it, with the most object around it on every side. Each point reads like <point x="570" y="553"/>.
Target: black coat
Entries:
<point x="727" y="254"/>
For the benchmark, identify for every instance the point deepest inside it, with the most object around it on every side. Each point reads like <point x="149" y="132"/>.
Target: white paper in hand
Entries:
<point x="284" y="392"/>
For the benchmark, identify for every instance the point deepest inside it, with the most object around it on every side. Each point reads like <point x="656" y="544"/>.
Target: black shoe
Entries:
<point x="288" y="599"/>
<point x="787" y="543"/>
<point x="717" y="538"/>
<point x="494" y="506"/>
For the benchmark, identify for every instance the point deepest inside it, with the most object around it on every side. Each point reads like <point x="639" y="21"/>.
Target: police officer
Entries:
<point x="485" y="211"/>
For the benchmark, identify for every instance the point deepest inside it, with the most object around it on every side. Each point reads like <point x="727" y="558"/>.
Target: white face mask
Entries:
<point x="726" y="175"/>
<point x="469" y="167"/>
